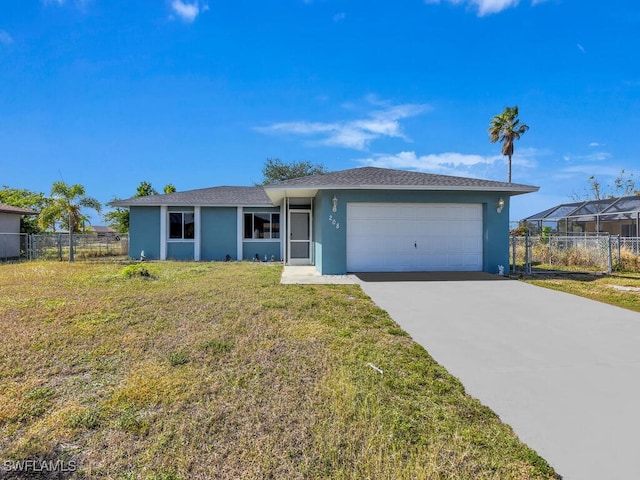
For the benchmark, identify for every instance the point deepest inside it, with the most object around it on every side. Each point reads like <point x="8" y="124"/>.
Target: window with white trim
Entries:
<point x="181" y="226"/>
<point x="261" y="225"/>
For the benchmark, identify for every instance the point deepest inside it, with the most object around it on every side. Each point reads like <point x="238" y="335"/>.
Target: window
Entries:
<point x="261" y="225"/>
<point x="181" y="225"/>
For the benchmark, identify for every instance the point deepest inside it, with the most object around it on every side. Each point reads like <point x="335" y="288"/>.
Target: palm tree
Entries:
<point x="506" y="128"/>
<point x="66" y="204"/>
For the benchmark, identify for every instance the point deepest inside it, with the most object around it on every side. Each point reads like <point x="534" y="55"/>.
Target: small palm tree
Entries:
<point x="66" y="204"/>
<point x="506" y="128"/>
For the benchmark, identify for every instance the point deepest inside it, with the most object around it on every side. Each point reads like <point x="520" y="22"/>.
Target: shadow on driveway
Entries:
<point x="426" y="276"/>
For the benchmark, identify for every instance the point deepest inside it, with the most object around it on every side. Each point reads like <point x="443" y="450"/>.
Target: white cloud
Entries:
<point x="595" y="144"/>
<point x="338" y="17"/>
<point x="486" y="7"/>
<point x="583" y="166"/>
<point x="188" y="11"/>
<point x="356" y="134"/>
<point x="5" y="38"/>
<point x="456" y="163"/>
<point x="581" y="48"/>
<point x="584" y="171"/>
<point x="592" y="157"/>
<point x="79" y="4"/>
<point x="448" y="163"/>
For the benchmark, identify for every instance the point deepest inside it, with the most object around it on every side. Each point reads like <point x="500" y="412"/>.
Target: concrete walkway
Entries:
<point x="295" y="274"/>
<point x="562" y="370"/>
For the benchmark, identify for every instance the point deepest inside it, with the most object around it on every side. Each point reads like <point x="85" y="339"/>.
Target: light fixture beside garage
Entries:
<point x="334" y="204"/>
<point x="500" y="205"/>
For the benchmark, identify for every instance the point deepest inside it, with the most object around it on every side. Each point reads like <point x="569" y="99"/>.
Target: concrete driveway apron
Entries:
<point x="563" y="371"/>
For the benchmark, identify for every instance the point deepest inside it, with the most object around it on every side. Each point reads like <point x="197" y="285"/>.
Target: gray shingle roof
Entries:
<point x="17" y="210"/>
<point x="216" y="196"/>
<point x="355" y="178"/>
<point x="373" y="177"/>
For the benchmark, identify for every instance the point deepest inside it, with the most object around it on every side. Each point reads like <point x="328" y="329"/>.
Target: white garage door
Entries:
<point x="384" y="237"/>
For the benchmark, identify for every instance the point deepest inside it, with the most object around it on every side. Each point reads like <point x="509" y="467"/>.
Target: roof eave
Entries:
<point x="27" y="213"/>
<point x="188" y="204"/>
<point x="276" y="193"/>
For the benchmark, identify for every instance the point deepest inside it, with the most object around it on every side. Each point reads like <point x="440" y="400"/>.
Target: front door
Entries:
<point x="299" y="237"/>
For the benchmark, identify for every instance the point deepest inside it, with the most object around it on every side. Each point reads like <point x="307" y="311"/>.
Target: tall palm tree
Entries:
<point x="66" y="204"/>
<point x="506" y="128"/>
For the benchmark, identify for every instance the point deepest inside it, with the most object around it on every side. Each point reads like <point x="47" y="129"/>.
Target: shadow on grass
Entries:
<point x="427" y="276"/>
<point x="560" y="274"/>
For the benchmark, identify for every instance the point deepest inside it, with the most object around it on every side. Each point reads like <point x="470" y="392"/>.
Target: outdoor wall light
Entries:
<point x="500" y="205"/>
<point x="334" y="204"/>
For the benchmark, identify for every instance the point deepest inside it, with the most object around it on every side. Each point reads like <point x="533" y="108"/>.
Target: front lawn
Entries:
<point x="619" y="289"/>
<point x="216" y="370"/>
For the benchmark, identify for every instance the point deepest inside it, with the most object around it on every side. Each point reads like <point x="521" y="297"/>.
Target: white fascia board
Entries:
<point x="277" y="194"/>
<point x="202" y="205"/>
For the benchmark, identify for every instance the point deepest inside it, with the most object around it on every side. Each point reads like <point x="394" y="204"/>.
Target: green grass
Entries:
<point x="597" y="287"/>
<point x="217" y="370"/>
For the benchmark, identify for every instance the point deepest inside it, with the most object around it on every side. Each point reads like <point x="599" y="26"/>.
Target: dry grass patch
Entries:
<point x="619" y="289"/>
<point x="193" y="370"/>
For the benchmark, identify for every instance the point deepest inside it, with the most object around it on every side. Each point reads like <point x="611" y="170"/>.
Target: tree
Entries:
<point x="624" y="185"/>
<point x="275" y="170"/>
<point x="145" y="189"/>
<point x="21" y="197"/>
<point x="506" y="128"/>
<point x="118" y="219"/>
<point x="66" y="204"/>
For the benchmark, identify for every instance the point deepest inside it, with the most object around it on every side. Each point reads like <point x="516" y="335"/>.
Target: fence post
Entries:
<point x="610" y="259"/>
<point x="619" y="252"/>
<point x="59" y="247"/>
<point x="527" y="265"/>
<point x="513" y="253"/>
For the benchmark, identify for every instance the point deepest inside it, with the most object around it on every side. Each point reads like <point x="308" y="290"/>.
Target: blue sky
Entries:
<point x="200" y="93"/>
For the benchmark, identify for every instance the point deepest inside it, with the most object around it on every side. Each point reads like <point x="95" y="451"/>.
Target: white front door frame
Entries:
<point x="294" y="259"/>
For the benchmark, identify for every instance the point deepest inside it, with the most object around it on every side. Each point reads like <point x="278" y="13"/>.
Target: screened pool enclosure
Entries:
<point x="614" y="216"/>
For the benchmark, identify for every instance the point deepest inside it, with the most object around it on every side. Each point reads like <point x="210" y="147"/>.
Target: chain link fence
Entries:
<point x="603" y="253"/>
<point x="55" y="246"/>
<point x="13" y="246"/>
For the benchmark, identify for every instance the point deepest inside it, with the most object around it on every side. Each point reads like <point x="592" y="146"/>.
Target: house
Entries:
<point x="616" y="216"/>
<point x="362" y="219"/>
<point x="10" y="230"/>
<point x="102" y="231"/>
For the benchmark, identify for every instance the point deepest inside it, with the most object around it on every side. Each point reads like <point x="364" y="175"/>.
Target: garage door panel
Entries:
<point x="414" y="237"/>
<point x="472" y="244"/>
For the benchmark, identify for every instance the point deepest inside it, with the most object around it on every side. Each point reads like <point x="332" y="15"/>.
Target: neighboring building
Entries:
<point x="10" y="230"/>
<point x="362" y="219"/>
<point x="616" y="216"/>
<point x="102" y="231"/>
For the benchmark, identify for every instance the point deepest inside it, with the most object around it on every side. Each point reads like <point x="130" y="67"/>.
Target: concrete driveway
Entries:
<point x="562" y="370"/>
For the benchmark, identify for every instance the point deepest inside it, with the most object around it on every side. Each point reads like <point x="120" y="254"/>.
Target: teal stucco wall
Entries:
<point x="144" y="232"/>
<point x="180" y="250"/>
<point x="219" y="227"/>
<point x="268" y="248"/>
<point x="330" y="232"/>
